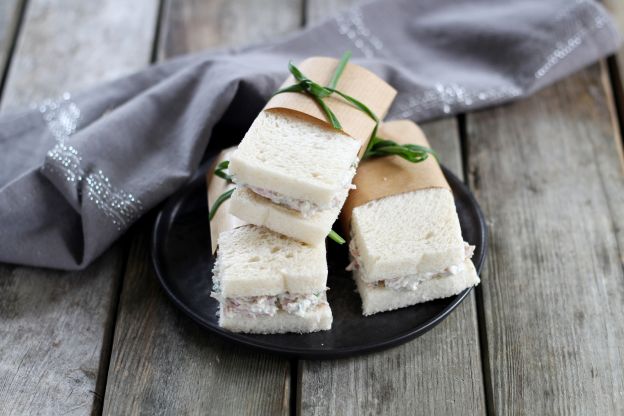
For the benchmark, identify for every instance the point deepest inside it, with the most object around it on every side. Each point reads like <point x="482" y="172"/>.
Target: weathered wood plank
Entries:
<point x="547" y="174"/>
<point x="9" y="20"/>
<point x="162" y="362"/>
<point x="55" y="327"/>
<point x="439" y="373"/>
<point x="190" y="26"/>
<point x="73" y="43"/>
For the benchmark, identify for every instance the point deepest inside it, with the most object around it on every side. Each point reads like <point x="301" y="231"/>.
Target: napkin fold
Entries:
<point x="79" y="169"/>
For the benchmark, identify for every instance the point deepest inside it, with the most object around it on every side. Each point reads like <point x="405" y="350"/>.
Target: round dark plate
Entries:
<point x="183" y="261"/>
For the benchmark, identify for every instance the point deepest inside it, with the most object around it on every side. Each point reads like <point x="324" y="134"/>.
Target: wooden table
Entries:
<point x="542" y="335"/>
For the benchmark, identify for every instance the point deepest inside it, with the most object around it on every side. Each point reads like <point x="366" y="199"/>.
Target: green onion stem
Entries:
<point x="222" y="198"/>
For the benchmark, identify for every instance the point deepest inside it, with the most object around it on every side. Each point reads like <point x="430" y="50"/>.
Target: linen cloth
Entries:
<point x="76" y="171"/>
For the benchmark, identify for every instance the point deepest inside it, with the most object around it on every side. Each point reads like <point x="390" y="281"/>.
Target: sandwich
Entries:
<point x="292" y="176"/>
<point x="293" y="170"/>
<point x="265" y="282"/>
<point x="406" y="245"/>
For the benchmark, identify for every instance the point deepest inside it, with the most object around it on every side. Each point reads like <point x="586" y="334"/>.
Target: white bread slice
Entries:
<point x="381" y="299"/>
<point x="295" y="157"/>
<point x="411" y="233"/>
<point x="319" y="319"/>
<point x="254" y="261"/>
<point x="254" y="209"/>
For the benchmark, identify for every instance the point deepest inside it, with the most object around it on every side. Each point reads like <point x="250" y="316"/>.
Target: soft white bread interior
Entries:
<point x="380" y="299"/>
<point x="319" y="319"/>
<point x="295" y="157"/>
<point x="254" y="261"/>
<point x="254" y="209"/>
<point x="405" y="234"/>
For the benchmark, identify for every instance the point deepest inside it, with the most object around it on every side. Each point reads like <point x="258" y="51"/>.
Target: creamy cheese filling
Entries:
<point x="254" y="306"/>
<point x="306" y="208"/>
<point x="411" y="281"/>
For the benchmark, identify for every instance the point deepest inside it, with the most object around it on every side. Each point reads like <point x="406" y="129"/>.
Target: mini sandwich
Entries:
<point x="265" y="282"/>
<point x="293" y="170"/>
<point x="406" y="244"/>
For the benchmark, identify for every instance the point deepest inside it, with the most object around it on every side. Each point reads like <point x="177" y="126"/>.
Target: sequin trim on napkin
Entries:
<point x="583" y="17"/>
<point x="351" y="24"/>
<point x="451" y="98"/>
<point x="62" y="116"/>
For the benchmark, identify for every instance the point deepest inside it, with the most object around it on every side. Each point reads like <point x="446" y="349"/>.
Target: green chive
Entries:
<point x="220" y="171"/>
<point x="336" y="237"/>
<point x="296" y="72"/>
<point x="339" y="69"/>
<point x="330" y="114"/>
<point x="222" y="198"/>
<point x="356" y="103"/>
<point x="292" y="88"/>
<point x="379" y="147"/>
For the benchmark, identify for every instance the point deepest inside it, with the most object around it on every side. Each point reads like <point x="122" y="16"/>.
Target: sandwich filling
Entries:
<point x="254" y="306"/>
<point x="306" y="208"/>
<point x="267" y="305"/>
<point x="411" y="281"/>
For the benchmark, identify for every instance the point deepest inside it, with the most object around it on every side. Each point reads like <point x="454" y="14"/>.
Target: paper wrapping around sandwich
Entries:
<point x="223" y="220"/>
<point x="355" y="81"/>
<point x="382" y="177"/>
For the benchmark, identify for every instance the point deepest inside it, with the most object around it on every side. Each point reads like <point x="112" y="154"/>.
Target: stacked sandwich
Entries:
<point x="264" y="282"/>
<point x="406" y="244"/>
<point x="293" y="171"/>
<point x="291" y="175"/>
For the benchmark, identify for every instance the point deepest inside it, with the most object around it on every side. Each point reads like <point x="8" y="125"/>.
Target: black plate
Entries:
<point x="182" y="258"/>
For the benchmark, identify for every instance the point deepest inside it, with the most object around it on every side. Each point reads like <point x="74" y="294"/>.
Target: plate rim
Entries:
<point x="307" y="353"/>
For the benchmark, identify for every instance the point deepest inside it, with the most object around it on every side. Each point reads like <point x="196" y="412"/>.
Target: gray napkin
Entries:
<point x="78" y="170"/>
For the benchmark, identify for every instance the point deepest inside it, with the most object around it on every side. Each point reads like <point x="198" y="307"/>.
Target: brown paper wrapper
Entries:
<point x="223" y="220"/>
<point x="385" y="176"/>
<point x="355" y="81"/>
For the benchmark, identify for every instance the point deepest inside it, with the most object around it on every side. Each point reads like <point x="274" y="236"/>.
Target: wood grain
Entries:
<point x="9" y="20"/>
<point x="194" y="25"/>
<point x="70" y="44"/>
<point x="162" y="363"/>
<point x="55" y="327"/>
<point x="52" y="333"/>
<point x="548" y="177"/>
<point x="437" y="374"/>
